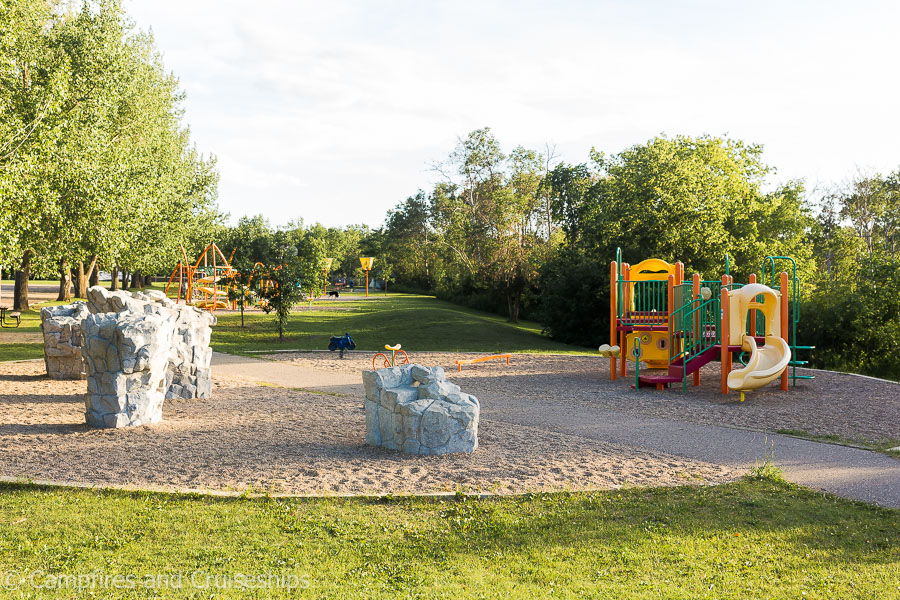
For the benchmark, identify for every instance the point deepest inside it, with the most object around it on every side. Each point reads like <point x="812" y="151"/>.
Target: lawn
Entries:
<point x="421" y="323"/>
<point x="21" y="351"/>
<point x="756" y="538"/>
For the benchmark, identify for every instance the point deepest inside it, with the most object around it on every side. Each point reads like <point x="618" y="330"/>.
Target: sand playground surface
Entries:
<point x="309" y="440"/>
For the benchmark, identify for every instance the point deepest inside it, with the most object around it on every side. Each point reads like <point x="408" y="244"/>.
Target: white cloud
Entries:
<point x="332" y="111"/>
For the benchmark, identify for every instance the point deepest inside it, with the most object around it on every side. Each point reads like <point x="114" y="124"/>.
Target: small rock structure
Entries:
<point x="127" y="360"/>
<point x="61" y="327"/>
<point x="139" y="350"/>
<point x="189" y="354"/>
<point x="415" y="409"/>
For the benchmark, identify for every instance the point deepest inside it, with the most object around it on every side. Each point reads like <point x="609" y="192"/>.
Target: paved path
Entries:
<point x="283" y="374"/>
<point x="848" y="472"/>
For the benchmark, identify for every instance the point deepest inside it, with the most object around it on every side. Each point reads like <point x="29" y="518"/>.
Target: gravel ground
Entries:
<point x="849" y="406"/>
<point x="284" y="440"/>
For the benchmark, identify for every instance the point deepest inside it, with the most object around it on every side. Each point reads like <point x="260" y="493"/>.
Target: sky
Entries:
<point x="335" y="112"/>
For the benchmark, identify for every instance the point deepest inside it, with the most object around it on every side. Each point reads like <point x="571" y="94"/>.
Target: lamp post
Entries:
<point x="366" y="263"/>
<point x="326" y="268"/>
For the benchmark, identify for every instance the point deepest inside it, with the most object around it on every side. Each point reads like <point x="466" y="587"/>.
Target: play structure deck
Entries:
<point x="678" y="326"/>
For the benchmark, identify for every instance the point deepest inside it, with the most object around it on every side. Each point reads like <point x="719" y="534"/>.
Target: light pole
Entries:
<point x="326" y="268"/>
<point x="366" y="263"/>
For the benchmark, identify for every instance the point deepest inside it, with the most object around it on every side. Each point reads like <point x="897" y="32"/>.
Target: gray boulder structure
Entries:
<point x="139" y="350"/>
<point x="127" y="359"/>
<point x="189" y="355"/>
<point x="61" y="328"/>
<point x="415" y="409"/>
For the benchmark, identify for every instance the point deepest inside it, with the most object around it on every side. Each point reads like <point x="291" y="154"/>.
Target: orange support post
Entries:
<point x="723" y="338"/>
<point x="215" y="285"/>
<point x="785" y="325"/>
<point x="613" y="317"/>
<point x="753" y="310"/>
<point x="679" y="273"/>
<point x="695" y="302"/>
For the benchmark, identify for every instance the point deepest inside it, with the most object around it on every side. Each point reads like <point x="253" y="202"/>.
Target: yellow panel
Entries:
<point x="645" y="270"/>
<point x="654" y="348"/>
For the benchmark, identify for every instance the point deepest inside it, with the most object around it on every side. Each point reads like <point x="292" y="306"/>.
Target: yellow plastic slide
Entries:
<point x="765" y="365"/>
<point x="212" y="292"/>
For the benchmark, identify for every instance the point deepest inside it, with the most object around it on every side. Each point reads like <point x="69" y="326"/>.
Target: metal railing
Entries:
<point x="642" y="303"/>
<point x="694" y="330"/>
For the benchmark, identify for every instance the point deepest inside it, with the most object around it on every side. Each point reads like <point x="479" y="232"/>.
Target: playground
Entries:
<point x="665" y="482"/>
<point x="296" y="429"/>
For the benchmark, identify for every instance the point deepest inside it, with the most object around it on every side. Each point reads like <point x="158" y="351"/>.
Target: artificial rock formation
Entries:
<point x="415" y="409"/>
<point x="189" y="354"/>
<point x="61" y="327"/>
<point x="127" y="358"/>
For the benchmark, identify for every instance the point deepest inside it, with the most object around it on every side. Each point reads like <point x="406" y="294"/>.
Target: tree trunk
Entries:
<point x="513" y="300"/>
<point x="124" y="280"/>
<point x="88" y="278"/>
<point x="80" y="281"/>
<point x="94" y="278"/>
<point x="114" y="278"/>
<point x="20" y="291"/>
<point x="65" y="281"/>
<point x="135" y="280"/>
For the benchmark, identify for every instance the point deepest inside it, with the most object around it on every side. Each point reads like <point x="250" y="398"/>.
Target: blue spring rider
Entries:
<point x="341" y="342"/>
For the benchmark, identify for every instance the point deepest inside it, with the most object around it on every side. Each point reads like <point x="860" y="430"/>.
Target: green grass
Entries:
<point x="419" y="323"/>
<point x="18" y="351"/>
<point x="881" y="445"/>
<point x="756" y="538"/>
<point x="31" y="319"/>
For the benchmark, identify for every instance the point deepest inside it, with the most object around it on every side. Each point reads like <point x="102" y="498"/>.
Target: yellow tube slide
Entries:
<point x="765" y="365"/>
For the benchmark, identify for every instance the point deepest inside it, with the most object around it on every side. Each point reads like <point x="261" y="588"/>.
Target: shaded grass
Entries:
<point x="31" y="319"/>
<point x="21" y="351"/>
<point x="417" y="322"/>
<point x="880" y="445"/>
<point x="756" y="538"/>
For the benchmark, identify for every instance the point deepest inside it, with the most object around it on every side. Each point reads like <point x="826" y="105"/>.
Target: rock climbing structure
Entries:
<point x="61" y="328"/>
<point x="416" y="410"/>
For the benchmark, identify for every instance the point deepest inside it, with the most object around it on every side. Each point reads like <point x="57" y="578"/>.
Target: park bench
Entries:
<point x="472" y="361"/>
<point x="7" y="316"/>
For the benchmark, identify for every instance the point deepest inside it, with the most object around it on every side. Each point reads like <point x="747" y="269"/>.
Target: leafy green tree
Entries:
<point x="294" y="269"/>
<point x="282" y="291"/>
<point x="241" y="289"/>
<point x="95" y="163"/>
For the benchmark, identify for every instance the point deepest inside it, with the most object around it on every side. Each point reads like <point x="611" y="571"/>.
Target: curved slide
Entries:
<point x="765" y="365"/>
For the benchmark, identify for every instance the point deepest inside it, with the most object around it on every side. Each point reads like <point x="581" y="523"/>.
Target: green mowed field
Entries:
<point x="755" y="538"/>
<point x="421" y="323"/>
<point x="20" y="351"/>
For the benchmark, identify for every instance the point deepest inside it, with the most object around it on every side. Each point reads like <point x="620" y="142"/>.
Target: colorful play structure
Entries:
<point x="202" y="285"/>
<point x="667" y="322"/>
<point x="385" y="362"/>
